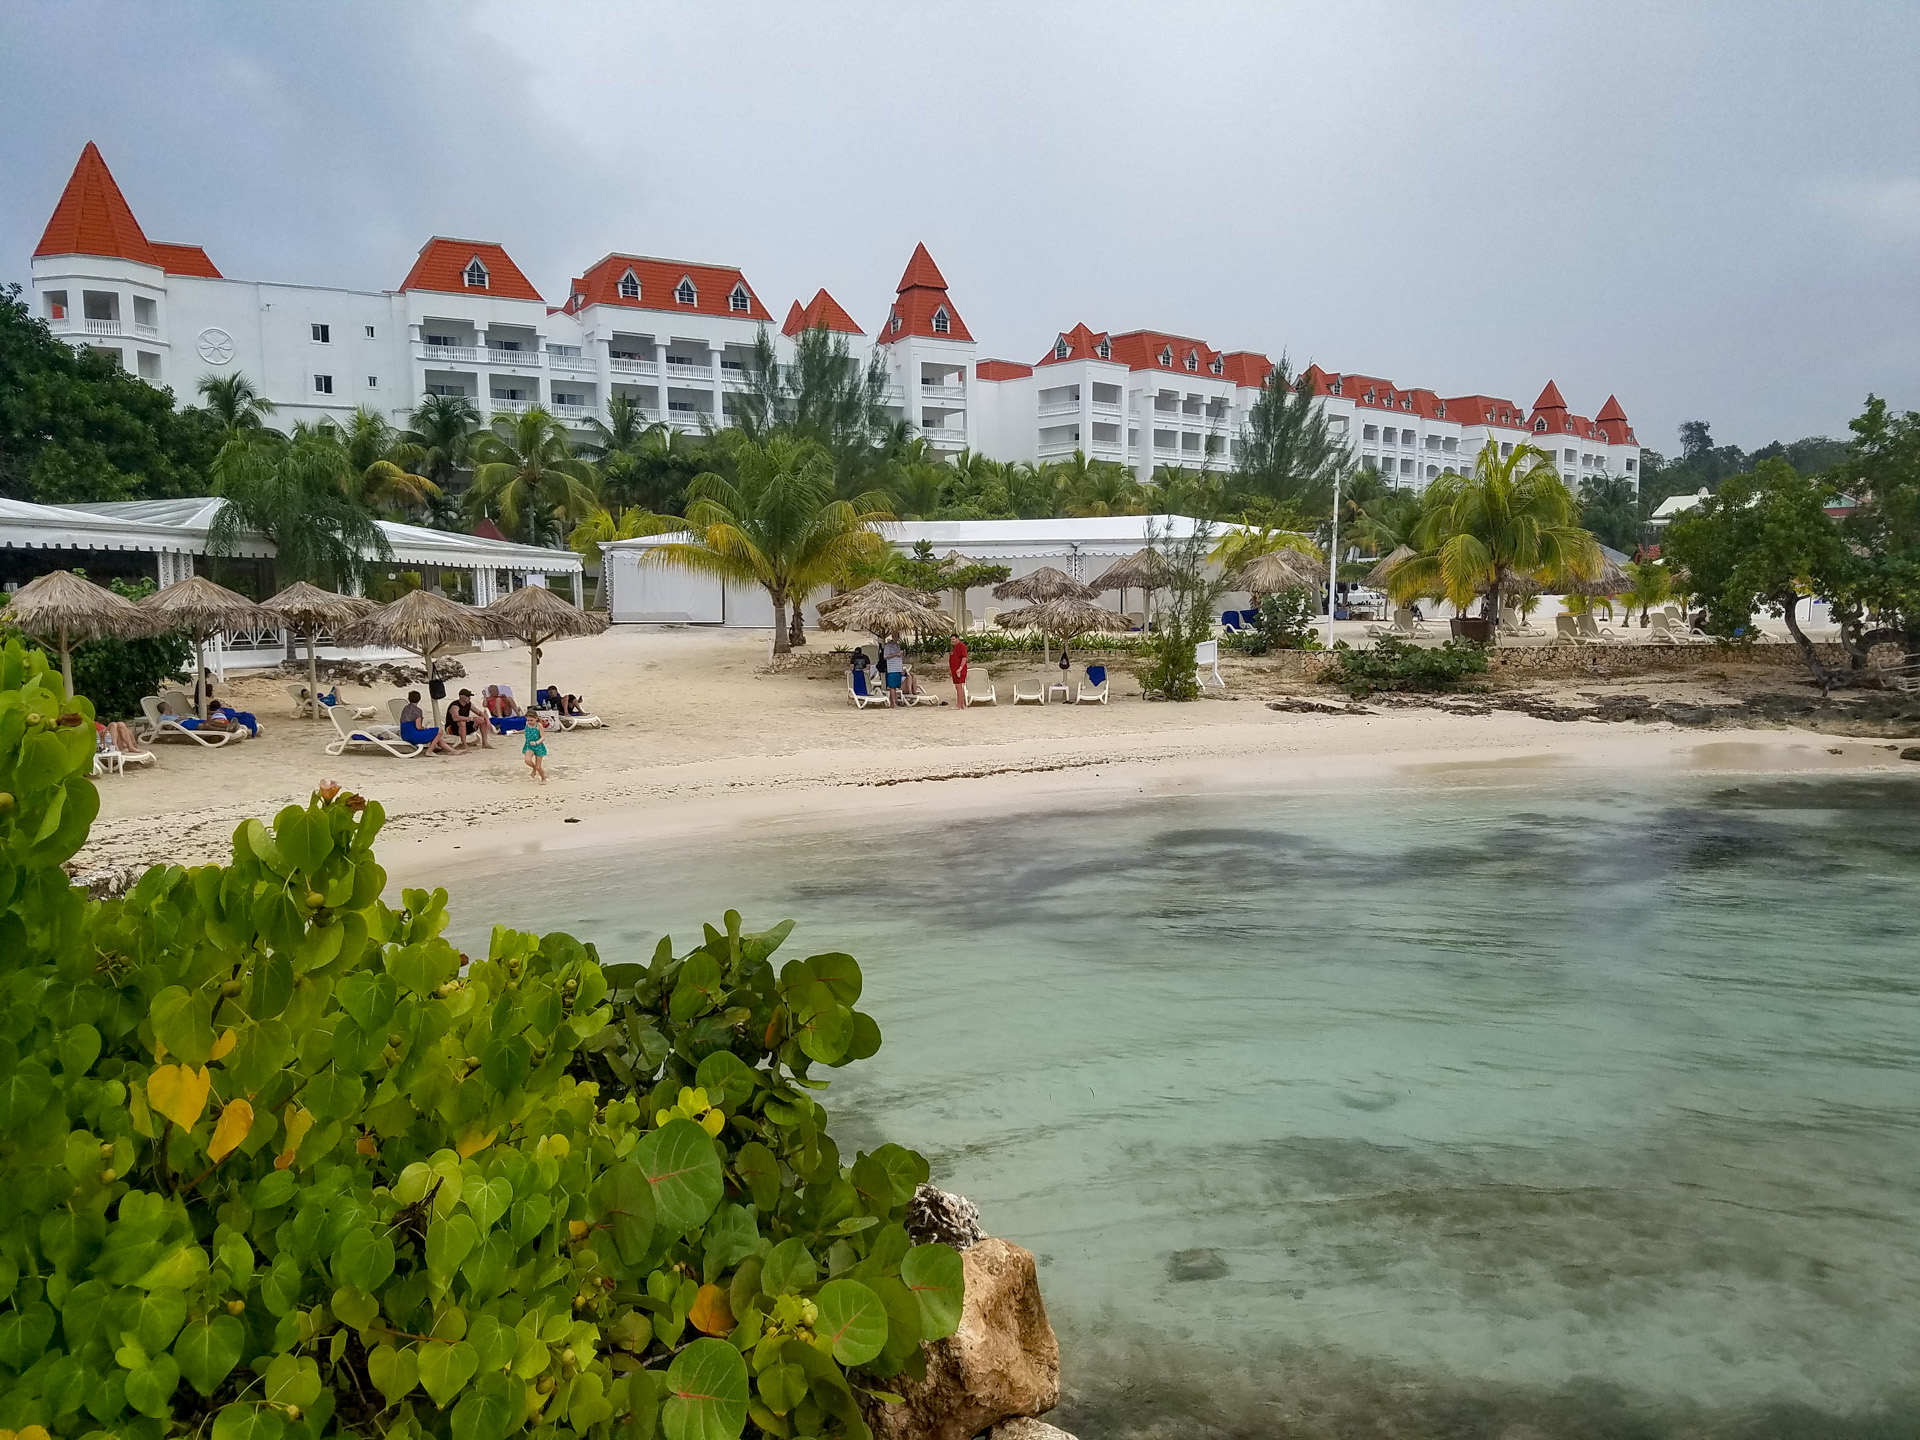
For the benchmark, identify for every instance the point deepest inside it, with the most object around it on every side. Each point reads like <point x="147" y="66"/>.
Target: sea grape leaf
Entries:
<point x="706" y="1393"/>
<point x="790" y="1266"/>
<point x="681" y="1166"/>
<point x="853" y="1319"/>
<point x="936" y="1276"/>
<point x="760" y="1172"/>
<point x="208" y="1349"/>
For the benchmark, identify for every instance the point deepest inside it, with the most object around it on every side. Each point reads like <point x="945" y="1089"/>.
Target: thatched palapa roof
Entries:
<point x="536" y="615"/>
<point x="1043" y="585"/>
<point x="1279" y="570"/>
<point x="1145" y="569"/>
<point x="1377" y="576"/>
<point x="202" y="608"/>
<point x="879" y="608"/>
<point x="1065" y="617"/>
<point x="307" y="607"/>
<point x="424" y="622"/>
<point x="63" y="603"/>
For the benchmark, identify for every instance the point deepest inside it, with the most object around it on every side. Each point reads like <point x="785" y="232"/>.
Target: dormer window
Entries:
<point x="1442" y="413"/>
<point x="1335" y="387"/>
<point x="1367" y="399"/>
<point x="1103" y="350"/>
<point x="1193" y="359"/>
<point x="1540" y="426"/>
<point x="894" y="324"/>
<point x="684" y="293"/>
<point x="476" y="274"/>
<point x="1406" y="402"/>
<point x="1219" y="366"/>
<point x="738" y="300"/>
<point x="629" y="286"/>
<point x="942" y="324"/>
<point x="1166" y="356"/>
<point x="1060" y="348"/>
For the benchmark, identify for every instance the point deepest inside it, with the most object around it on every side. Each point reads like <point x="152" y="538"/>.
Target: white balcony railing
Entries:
<point x="150" y="332"/>
<point x="942" y="392"/>
<point x="690" y="369"/>
<point x="509" y="407"/>
<point x="448" y="354"/>
<point x="1060" y="407"/>
<point x="1106" y="407"/>
<point x="101" y="327"/>
<point x="686" y="419"/>
<point x="1049" y="448"/>
<point x="943" y="435"/>
<point x="574" y="412"/>
<point x="634" y="367"/>
<point x="575" y="364"/>
<point x="527" y="358"/>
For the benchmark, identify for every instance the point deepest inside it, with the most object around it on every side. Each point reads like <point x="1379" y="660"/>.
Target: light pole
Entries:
<point x="1333" y="559"/>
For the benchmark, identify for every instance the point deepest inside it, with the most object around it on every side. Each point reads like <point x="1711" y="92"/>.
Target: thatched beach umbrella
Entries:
<point x="1064" y="616"/>
<point x="307" y="609"/>
<point x="1145" y="570"/>
<point x="535" y="614"/>
<point x="64" y="607"/>
<point x="1043" y="585"/>
<point x="881" y="610"/>
<point x="203" y="609"/>
<point x="907" y="594"/>
<point x="425" y="623"/>
<point x="1279" y="570"/>
<point x="1377" y="576"/>
<point x="1610" y="579"/>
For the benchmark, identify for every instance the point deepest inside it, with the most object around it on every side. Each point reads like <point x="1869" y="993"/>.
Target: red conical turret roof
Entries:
<point x="1612" y="411"/>
<point x="823" y="311"/>
<point x="921" y="273"/>
<point x="1550" y="398"/>
<point x="93" y="217"/>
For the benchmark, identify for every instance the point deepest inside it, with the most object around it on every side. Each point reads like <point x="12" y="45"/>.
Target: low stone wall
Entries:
<point x="1609" y="659"/>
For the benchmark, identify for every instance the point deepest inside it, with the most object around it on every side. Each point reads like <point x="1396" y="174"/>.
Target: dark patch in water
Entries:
<point x="1185" y="1265"/>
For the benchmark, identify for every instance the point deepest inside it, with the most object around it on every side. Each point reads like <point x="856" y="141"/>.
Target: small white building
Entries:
<point x="641" y="590"/>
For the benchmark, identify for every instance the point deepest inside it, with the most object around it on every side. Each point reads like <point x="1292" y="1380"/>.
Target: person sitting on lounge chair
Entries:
<point x="415" y="731"/>
<point x="219" y="710"/>
<point x="505" y="714"/>
<point x="114" y="735"/>
<point x="464" y="720"/>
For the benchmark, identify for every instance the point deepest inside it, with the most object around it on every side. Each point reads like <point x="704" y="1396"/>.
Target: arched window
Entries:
<point x="1060" y="349"/>
<point x="684" y="293"/>
<point x="942" y="325"/>
<point x="476" y="276"/>
<point x="739" y="301"/>
<point x="629" y="286"/>
<point x="1540" y="426"/>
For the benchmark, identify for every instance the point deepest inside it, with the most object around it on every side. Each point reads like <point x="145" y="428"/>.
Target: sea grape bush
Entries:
<point x="281" y="1163"/>
<point x="1395" y="664"/>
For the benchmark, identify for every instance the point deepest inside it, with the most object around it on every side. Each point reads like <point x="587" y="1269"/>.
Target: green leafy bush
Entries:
<point x="1395" y="664"/>
<point x="281" y="1162"/>
<point x="1283" y="622"/>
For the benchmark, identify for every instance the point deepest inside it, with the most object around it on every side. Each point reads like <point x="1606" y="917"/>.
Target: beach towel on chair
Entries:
<point x="1096" y="674"/>
<point x="859" y="679"/>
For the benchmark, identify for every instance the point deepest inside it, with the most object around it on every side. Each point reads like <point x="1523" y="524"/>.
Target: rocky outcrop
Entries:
<point x="940" y="1216"/>
<point x="1025" y="1427"/>
<point x="1002" y="1363"/>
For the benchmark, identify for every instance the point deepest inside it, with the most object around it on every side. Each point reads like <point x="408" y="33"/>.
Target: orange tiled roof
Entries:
<point x="442" y="264"/>
<point x="1143" y="349"/>
<point x="185" y="260"/>
<point x="1550" y="399"/>
<point x="1001" y="370"/>
<point x="93" y="218"/>
<point x="821" y="312"/>
<point x="1612" y="422"/>
<point x="921" y="297"/>
<point x="1248" y="368"/>
<point x="1081" y="343"/>
<point x="659" y="280"/>
<point x="1485" y="410"/>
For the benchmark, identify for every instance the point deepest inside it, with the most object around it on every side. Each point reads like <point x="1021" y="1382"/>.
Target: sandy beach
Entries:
<point x="703" y="734"/>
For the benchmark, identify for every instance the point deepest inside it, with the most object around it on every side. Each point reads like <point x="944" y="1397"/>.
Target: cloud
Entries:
<point x="1886" y="209"/>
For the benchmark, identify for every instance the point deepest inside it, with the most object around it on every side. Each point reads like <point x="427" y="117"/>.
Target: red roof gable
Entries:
<point x="442" y="265"/>
<point x="1144" y="349"/>
<point x="1550" y="399"/>
<point x="93" y="217"/>
<point x="921" y="300"/>
<point x="1485" y="410"/>
<point x="1248" y="368"/>
<point x="659" y="282"/>
<point x="1612" y="422"/>
<point x="822" y="312"/>
<point x="1080" y="343"/>
<point x="185" y="260"/>
<point x="1001" y="370"/>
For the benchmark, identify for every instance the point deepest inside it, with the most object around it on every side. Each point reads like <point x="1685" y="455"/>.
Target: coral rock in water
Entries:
<point x="1003" y="1361"/>
<point x="950" y="1219"/>
<point x="1027" y="1428"/>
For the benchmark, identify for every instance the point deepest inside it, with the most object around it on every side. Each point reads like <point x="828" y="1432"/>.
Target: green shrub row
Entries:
<point x="281" y="1162"/>
<point x="1395" y="664"/>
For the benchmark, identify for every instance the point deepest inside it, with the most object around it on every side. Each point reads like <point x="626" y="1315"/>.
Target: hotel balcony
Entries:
<point x="943" y="392"/>
<point x="508" y="407"/>
<point x="523" y="359"/>
<point x="574" y="364"/>
<point x="569" y="412"/>
<point x="689" y="369"/>
<point x="1060" y="407"/>
<point x="444" y="354"/>
<point x="944" y="435"/>
<point x="621" y="366"/>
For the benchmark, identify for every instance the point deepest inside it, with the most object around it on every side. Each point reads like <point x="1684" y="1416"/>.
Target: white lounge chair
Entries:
<point x="1402" y="626"/>
<point x="1668" y="631"/>
<point x="979" y="688"/>
<point x="1029" y="692"/>
<point x="1514" y="623"/>
<point x="1591" y="629"/>
<point x="1089" y="694"/>
<point x="871" y="700"/>
<point x="383" y="738"/>
<point x="1206" y="663"/>
<point x="993" y="614"/>
<point x="114" y="761"/>
<point x="157" y="724"/>
<point x="303" y="706"/>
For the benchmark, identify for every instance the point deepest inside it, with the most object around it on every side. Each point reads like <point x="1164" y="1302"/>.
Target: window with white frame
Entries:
<point x="629" y="286"/>
<point x="684" y="293"/>
<point x="476" y="274"/>
<point x="322" y="334"/>
<point x="739" y="301"/>
<point x="942" y="322"/>
<point x="1060" y="348"/>
<point x="373" y="382"/>
<point x="1568" y="456"/>
<point x="1104" y="350"/>
<point x="1369" y="432"/>
<point x="1219" y="366"/>
<point x="1193" y="359"/>
<point x="369" y="332"/>
<point x="1166" y="356"/>
<point x="323" y="384"/>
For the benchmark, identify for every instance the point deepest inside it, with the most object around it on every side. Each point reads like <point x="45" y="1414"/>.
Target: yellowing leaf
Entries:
<point x="711" y="1314"/>
<point x="713" y="1122"/>
<point x="179" y="1092"/>
<point x="366" y="1145"/>
<point x="578" y="1229"/>
<point x="159" y="1051"/>
<point x="299" y="1121"/>
<point x="473" y="1142"/>
<point x="224" y="1044"/>
<point x="235" y="1121"/>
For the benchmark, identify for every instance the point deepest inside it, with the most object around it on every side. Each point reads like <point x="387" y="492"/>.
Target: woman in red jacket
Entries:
<point x="957" y="671"/>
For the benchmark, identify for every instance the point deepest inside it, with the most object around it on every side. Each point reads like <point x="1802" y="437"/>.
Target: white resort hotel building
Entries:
<point x="673" y="336"/>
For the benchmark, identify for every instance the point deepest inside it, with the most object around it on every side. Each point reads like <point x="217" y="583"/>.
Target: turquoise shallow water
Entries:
<point x="1503" y="1113"/>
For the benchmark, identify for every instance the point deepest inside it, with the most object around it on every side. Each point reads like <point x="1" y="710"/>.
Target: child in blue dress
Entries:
<point x="533" y="749"/>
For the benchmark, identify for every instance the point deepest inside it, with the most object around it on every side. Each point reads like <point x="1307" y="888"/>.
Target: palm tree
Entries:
<point x="236" y="404"/>
<point x="1651" y="584"/>
<point x="1513" y="518"/>
<point x="300" y="496"/>
<point x="601" y="526"/>
<point x="442" y="432"/>
<point x="525" y="473"/>
<point x="919" y="490"/>
<point x="1290" y="452"/>
<point x="1097" y="487"/>
<point x="619" y="444"/>
<point x="776" y="524"/>
<point x="1610" y="507"/>
<point x="378" y="477"/>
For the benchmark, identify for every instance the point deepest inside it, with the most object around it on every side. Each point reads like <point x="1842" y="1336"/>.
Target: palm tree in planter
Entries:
<point x="526" y="474"/>
<point x="776" y="524"/>
<point x="1512" y="519"/>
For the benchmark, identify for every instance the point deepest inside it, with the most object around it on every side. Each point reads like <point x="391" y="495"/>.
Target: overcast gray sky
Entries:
<point x="1712" y="210"/>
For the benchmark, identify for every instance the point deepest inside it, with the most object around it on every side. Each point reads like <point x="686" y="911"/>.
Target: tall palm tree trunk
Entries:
<point x="782" y="641"/>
